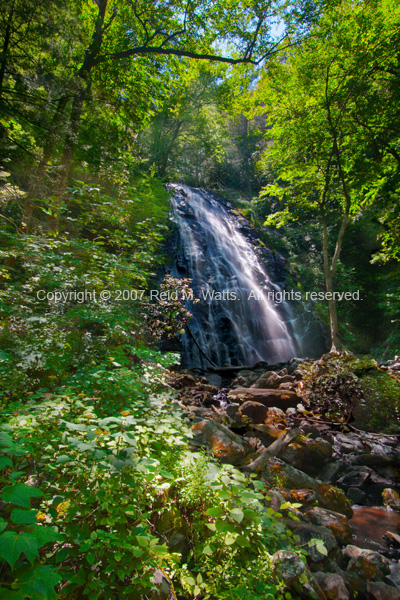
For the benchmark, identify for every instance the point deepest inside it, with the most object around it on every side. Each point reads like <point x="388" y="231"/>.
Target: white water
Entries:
<point x="218" y="258"/>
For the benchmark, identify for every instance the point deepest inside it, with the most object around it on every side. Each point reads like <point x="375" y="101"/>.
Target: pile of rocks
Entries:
<point x="325" y="469"/>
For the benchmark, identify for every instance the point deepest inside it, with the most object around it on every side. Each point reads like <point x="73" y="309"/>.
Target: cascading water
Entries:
<point x="236" y="321"/>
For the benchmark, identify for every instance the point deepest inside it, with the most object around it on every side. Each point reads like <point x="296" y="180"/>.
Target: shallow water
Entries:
<point x="369" y="524"/>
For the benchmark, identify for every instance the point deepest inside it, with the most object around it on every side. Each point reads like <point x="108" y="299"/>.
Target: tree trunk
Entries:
<point x="68" y="154"/>
<point x="38" y="186"/>
<point x="337" y="345"/>
<point x="83" y="76"/>
<point x="4" y="53"/>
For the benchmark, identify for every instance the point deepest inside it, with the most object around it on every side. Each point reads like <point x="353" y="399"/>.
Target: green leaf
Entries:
<point x="237" y="514"/>
<point x="142" y="541"/>
<point x="207" y="550"/>
<point x="20" y="493"/>
<point x="22" y="517"/>
<point x="3" y="525"/>
<point x="12" y="545"/>
<point x="5" y="462"/>
<point x="63" y="459"/>
<point x="230" y="539"/>
<point x="215" y="511"/>
<point x="39" y="583"/>
<point x="45" y="534"/>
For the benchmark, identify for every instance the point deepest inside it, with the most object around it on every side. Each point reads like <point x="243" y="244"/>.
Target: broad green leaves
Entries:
<point x="20" y="494"/>
<point x="12" y="545"/>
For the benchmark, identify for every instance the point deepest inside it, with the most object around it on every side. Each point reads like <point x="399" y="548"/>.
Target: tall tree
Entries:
<point x="320" y="161"/>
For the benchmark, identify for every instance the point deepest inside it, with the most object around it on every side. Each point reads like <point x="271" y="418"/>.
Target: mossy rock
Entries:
<point x="380" y="409"/>
<point x="348" y="386"/>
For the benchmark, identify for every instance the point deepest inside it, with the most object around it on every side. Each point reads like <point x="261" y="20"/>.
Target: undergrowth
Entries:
<point x="100" y="490"/>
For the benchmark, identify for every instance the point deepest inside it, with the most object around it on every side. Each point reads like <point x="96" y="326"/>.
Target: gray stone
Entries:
<point x="162" y="587"/>
<point x="355" y="495"/>
<point x="231" y="409"/>
<point x="377" y="590"/>
<point x="308" y="532"/>
<point x="288" y="566"/>
<point x="214" y="379"/>
<point x="332" y="585"/>
<point x="356" y="477"/>
<point x="337" y="523"/>
<point x="367" y="564"/>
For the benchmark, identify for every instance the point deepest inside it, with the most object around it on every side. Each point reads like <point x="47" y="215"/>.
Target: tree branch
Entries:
<point x="173" y="52"/>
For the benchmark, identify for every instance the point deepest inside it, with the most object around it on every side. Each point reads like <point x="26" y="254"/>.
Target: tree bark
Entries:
<point x="337" y="345"/>
<point x="6" y="44"/>
<point x="83" y="76"/>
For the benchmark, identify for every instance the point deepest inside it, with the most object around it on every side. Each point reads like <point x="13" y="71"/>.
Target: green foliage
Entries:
<point x="117" y="483"/>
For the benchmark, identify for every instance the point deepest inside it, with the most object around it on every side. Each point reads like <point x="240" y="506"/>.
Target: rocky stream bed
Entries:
<point x="346" y="478"/>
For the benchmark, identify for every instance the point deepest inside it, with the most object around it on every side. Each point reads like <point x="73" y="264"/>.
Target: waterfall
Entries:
<point x="236" y="321"/>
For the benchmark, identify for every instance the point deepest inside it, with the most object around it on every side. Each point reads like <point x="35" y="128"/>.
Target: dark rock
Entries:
<point x="337" y="523"/>
<point x="307" y="454"/>
<point x="331" y="471"/>
<point x="393" y="539"/>
<point x="367" y="564"/>
<point x="231" y="409"/>
<point x="377" y="590"/>
<point x="255" y="411"/>
<point x="355" y="495"/>
<point x="332" y="585"/>
<point x="307" y="532"/>
<point x="356" y="477"/>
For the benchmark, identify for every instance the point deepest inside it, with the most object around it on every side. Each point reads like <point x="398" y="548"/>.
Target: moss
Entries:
<point x="380" y="409"/>
<point x="345" y="386"/>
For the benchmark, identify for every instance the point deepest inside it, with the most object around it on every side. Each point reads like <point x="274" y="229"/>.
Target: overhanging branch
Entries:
<point x="174" y="52"/>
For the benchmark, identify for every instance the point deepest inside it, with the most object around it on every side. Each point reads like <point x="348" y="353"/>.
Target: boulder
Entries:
<point x="280" y="474"/>
<point x="391" y="498"/>
<point x="288" y="566"/>
<point x="332" y="585"/>
<point x="307" y="454"/>
<point x="275" y="417"/>
<point x="255" y="411"/>
<point x="355" y="495"/>
<point x="307" y="532"/>
<point x="221" y="441"/>
<point x="337" y="523"/>
<point x="269" y="397"/>
<point x="377" y="590"/>
<point x="368" y="565"/>
<point x="356" y="477"/>
<point x="270" y="380"/>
